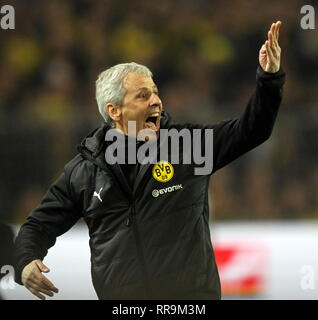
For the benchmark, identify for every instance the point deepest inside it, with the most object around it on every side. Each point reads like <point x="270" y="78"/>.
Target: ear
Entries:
<point x="113" y="111"/>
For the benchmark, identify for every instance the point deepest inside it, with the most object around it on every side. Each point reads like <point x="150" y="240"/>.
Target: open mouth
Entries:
<point x="153" y="121"/>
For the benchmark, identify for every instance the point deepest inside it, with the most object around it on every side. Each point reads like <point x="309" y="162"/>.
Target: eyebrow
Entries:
<point x="144" y="88"/>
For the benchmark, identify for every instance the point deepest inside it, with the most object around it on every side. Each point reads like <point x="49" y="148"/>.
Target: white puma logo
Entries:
<point x="98" y="194"/>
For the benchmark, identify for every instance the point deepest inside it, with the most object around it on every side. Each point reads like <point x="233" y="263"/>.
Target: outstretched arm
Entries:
<point x="234" y="137"/>
<point x="54" y="216"/>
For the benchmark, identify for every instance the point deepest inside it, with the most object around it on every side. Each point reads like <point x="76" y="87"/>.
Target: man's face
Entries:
<point x="141" y="104"/>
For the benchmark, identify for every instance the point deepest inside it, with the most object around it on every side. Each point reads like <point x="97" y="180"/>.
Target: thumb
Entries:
<point x="42" y="266"/>
<point x="263" y="49"/>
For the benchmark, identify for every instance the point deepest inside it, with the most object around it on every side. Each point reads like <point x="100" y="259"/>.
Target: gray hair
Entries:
<point x="109" y="85"/>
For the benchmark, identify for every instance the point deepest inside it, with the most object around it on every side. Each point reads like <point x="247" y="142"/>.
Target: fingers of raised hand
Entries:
<point x="269" y="50"/>
<point x="277" y="27"/>
<point x="273" y="46"/>
<point x="270" y="38"/>
<point x="273" y="34"/>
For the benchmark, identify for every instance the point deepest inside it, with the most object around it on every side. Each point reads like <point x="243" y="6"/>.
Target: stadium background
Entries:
<point x="203" y="54"/>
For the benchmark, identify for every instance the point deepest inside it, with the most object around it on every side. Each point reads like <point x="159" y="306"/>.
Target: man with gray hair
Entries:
<point x="148" y="222"/>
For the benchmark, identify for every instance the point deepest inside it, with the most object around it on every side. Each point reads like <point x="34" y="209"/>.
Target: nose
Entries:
<point x="155" y="101"/>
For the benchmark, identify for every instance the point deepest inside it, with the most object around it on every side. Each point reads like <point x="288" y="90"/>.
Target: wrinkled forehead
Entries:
<point x="135" y="81"/>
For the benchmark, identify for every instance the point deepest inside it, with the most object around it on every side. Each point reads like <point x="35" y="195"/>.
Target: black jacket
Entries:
<point x="146" y="247"/>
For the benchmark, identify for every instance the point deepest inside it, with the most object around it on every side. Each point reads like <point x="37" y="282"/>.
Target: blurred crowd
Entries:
<point x="203" y="55"/>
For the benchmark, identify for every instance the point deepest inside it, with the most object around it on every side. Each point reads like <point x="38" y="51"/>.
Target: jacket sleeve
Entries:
<point x="234" y="137"/>
<point x="55" y="215"/>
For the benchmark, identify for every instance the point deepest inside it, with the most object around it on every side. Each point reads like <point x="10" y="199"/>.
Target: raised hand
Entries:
<point x="270" y="53"/>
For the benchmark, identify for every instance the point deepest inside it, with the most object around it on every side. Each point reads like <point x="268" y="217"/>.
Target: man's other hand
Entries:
<point x="269" y="55"/>
<point x="35" y="281"/>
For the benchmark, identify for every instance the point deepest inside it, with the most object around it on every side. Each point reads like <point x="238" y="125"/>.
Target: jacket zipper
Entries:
<point x="131" y="213"/>
<point x="130" y="221"/>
